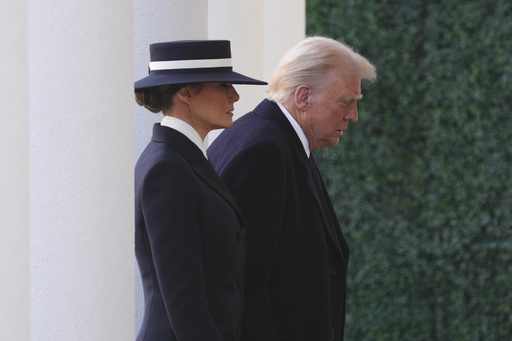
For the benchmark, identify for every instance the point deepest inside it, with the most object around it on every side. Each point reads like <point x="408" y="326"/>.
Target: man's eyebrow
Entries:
<point x="352" y="97"/>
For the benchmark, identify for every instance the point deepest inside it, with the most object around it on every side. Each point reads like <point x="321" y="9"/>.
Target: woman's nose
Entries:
<point x="234" y="96"/>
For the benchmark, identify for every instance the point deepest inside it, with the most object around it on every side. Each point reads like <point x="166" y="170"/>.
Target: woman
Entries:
<point x="189" y="238"/>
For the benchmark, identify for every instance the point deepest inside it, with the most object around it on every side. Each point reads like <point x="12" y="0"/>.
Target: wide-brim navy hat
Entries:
<point x="192" y="61"/>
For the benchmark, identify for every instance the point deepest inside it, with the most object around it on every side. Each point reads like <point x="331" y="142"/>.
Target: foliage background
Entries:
<point x="422" y="184"/>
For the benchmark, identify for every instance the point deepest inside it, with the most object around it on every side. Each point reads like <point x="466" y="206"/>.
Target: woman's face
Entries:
<point x="212" y="107"/>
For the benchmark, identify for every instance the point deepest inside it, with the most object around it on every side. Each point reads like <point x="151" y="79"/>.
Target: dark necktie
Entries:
<point x="315" y="169"/>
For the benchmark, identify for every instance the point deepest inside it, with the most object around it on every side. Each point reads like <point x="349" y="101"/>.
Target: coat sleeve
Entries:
<point x="170" y="207"/>
<point x="257" y="177"/>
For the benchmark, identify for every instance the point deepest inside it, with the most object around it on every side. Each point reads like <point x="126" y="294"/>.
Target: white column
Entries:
<point x="260" y="32"/>
<point x="158" y="21"/>
<point x="14" y="223"/>
<point x="285" y="26"/>
<point x="242" y="22"/>
<point x="81" y="170"/>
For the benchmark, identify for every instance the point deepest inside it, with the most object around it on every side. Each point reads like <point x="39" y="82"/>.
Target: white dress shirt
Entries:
<point x="297" y="128"/>
<point x="186" y="129"/>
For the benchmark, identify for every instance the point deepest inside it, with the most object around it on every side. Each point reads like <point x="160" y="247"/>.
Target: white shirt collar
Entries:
<point x="297" y="128"/>
<point x="186" y="129"/>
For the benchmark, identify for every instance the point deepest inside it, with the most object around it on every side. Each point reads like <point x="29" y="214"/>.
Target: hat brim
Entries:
<point x="199" y="77"/>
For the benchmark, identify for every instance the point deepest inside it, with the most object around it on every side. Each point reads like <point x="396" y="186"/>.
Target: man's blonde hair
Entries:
<point x="309" y="61"/>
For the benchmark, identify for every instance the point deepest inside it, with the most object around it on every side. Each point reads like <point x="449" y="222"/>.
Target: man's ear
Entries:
<point x="184" y="94"/>
<point x="302" y="94"/>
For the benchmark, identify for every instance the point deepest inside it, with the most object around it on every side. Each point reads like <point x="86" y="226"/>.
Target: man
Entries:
<point x="295" y="277"/>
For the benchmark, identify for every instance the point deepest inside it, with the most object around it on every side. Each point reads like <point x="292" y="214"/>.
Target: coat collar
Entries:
<point x="271" y="111"/>
<point x="198" y="163"/>
<point x="180" y="143"/>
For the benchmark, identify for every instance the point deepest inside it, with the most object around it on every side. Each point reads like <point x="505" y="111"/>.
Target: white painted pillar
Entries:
<point x="260" y="32"/>
<point x="158" y="21"/>
<point x="242" y="22"/>
<point x="285" y="26"/>
<point x="14" y="223"/>
<point x="81" y="170"/>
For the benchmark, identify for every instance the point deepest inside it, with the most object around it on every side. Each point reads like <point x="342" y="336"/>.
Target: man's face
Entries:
<point x="330" y="110"/>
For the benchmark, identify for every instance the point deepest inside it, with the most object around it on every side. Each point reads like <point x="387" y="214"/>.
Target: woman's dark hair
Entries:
<point x="158" y="98"/>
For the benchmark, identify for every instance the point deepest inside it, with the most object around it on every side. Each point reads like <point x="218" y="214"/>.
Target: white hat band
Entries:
<point x="189" y="64"/>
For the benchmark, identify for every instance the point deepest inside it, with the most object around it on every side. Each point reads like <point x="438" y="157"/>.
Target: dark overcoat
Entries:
<point x="189" y="244"/>
<point x="295" y="277"/>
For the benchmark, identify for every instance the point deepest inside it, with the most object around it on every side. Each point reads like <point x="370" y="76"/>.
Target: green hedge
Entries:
<point x="422" y="184"/>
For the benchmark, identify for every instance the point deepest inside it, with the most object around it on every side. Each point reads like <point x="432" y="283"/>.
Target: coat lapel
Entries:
<point x="207" y="174"/>
<point x="198" y="163"/>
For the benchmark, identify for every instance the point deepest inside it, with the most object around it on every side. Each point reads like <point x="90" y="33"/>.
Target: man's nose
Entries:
<point x="352" y="114"/>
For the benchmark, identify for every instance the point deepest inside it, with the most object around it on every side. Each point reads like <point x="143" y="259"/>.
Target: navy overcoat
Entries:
<point x="189" y="244"/>
<point x="295" y="277"/>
